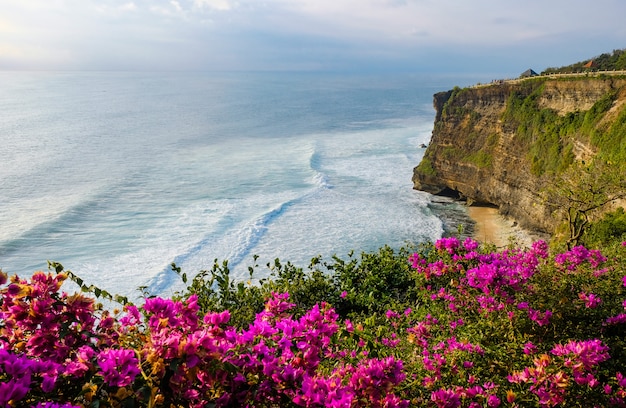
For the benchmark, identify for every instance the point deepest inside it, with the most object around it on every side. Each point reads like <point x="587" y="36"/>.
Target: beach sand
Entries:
<point x="494" y="228"/>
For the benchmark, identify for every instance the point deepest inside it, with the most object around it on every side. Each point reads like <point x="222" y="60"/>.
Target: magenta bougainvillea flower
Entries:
<point x="118" y="367"/>
<point x="59" y="350"/>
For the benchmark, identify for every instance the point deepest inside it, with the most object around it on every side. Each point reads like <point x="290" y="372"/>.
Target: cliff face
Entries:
<point x="487" y="148"/>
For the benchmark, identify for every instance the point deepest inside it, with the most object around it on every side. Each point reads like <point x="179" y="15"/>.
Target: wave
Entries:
<point x="315" y="163"/>
<point x="89" y="208"/>
<point x="55" y="224"/>
<point x="244" y="237"/>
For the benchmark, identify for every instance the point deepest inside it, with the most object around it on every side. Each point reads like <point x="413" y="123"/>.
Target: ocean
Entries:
<point x="117" y="175"/>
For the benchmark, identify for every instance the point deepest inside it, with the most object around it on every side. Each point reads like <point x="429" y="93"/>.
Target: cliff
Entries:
<point x="501" y="143"/>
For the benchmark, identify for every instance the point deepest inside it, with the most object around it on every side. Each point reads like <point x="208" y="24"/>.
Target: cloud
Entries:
<point x="222" y="5"/>
<point x="128" y="7"/>
<point x="255" y="34"/>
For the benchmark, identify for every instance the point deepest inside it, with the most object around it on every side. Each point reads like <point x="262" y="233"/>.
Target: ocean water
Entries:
<point x="117" y="175"/>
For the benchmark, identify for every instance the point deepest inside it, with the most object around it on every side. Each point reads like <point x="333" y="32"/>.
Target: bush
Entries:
<point x="450" y="324"/>
<point x="611" y="228"/>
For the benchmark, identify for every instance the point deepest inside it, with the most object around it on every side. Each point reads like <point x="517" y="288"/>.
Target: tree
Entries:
<point x="582" y="192"/>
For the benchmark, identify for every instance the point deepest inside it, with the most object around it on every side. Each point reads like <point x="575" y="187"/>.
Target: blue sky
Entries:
<point x="334" y="35"/>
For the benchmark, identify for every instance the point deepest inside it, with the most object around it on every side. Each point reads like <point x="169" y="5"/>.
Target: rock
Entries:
<point x="476" y="153"/>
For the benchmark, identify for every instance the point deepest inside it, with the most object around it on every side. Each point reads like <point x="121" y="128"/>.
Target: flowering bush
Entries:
<point x="450" y="325"/>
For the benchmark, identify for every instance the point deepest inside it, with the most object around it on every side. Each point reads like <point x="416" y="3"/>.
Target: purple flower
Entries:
<point x="446" y="398"/>
<point x="493" y="401"/>
<point x="13" y="390"/>
<point x="542" y="319"/>
<point x="390" y="314"/>
<point x="578" y="255"/>
<point x="583" y="354"/>
<point x="591" y="300"/>
<point x="469" y="244"/>
<point x="132" y="317"/>
<point x="216" y="319"/>
<point x="530" y="348"/>
<point x="619" y="319"/>
<point x="118" y="367"/>
<point x="447" y="244"/>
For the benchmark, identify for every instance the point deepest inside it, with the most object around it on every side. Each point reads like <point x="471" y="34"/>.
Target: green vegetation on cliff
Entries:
<point x="550" y="137"/>
<point x="603" y="62"/>
<point x="537" y="138"/>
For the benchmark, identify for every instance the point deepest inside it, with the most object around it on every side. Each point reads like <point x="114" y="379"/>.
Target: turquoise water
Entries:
<point x="116" y="175"/>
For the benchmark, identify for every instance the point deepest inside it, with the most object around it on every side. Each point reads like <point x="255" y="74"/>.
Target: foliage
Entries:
<point x="549" y="137"/>
<point x="611" y="140"/>
<point x="610" y="228"/>
<point x="580" y="194"/>
<point x="603" y="62"/>
<point x="426" y="167"/>
<point x="453" y="324"/>
<point x="481" y="159"/>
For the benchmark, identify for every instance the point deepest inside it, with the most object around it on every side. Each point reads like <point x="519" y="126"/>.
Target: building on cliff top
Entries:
<point x="590" y="64"/>
<point x="528" y="73"/>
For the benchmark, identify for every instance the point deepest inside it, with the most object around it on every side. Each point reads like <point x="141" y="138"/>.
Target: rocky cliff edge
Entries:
<point x="487" y="144"/>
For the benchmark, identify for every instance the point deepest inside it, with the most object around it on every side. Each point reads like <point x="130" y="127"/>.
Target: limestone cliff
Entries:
<point x="499" y="143"/>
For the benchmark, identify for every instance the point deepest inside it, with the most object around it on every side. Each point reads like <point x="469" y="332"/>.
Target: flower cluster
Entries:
<point x="166" y="353"/>
<point x="579" y="255"/>
<point x="482" y="329"/>
<point x="508" y="287"/>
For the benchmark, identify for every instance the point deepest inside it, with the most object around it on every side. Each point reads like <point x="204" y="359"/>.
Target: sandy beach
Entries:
<point x="492" y="227"/>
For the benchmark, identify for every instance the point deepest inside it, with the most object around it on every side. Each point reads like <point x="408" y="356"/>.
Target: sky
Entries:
<point x="456" y="36"/>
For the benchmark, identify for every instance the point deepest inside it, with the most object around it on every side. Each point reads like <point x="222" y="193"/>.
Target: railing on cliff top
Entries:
<point x="585" y="74"/>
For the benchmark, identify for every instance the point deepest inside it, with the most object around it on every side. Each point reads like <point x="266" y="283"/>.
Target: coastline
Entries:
<point x="494" y="228"/>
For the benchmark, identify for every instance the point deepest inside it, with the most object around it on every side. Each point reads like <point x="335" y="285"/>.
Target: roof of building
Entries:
<point x="528" y="73"/>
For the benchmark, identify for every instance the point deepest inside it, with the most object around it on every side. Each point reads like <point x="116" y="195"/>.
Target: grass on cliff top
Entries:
<point x="550" y="137"/>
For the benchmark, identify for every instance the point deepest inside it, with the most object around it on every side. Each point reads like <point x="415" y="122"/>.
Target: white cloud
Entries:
<point x="221" y="5"/>
<point x="257" y="33"/>
<point x="128" y="7"/>
<point x="176" y="6"/>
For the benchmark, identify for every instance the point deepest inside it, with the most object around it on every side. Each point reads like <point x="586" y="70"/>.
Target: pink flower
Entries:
<point x="578" y="255"/>
<point x="469" y="244"/>
<point x="591" y="300"/>
<point x="12" y="391"/>
<point x="530" y="348"/>
<point x="349" y="326"/>
<point x="542" y="319"/>
<point x="447" y="244"/>
<point x="493" y="401"/>
<point x="118" y="367"/>
<point x="619" y="319"/>
<point x="132" y="317"/>
<point x="416" y="260"/>
<point x="446" y="398"/>
<point x="583" y="354"/>
<point x="390" y="314"/>
<point x="82" y="363"/>
<point x="217" y="319"/>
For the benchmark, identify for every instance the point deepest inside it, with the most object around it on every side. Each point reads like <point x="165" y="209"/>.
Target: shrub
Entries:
<point x="450" y="324"/>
